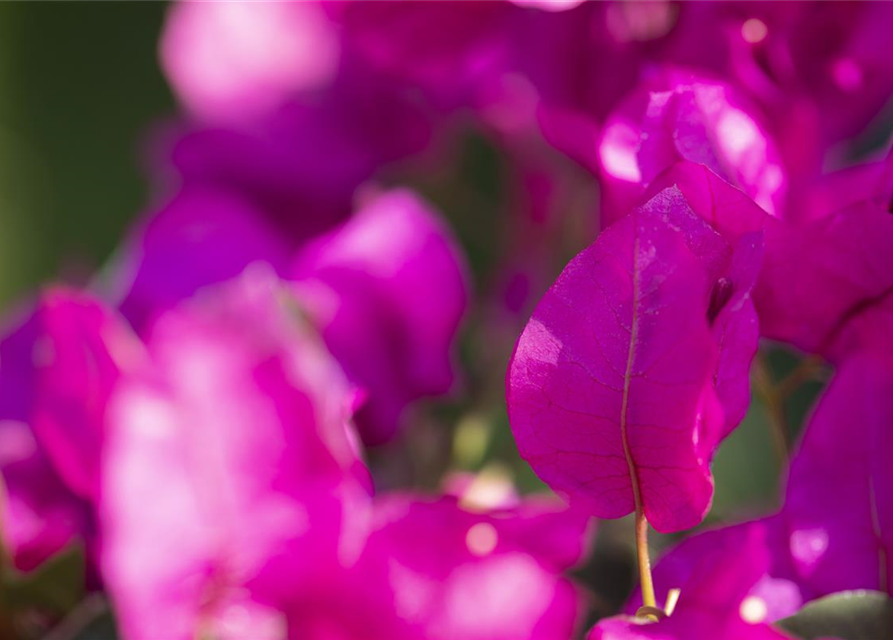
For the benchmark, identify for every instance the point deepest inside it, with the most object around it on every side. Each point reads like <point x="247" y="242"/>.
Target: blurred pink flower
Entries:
<point x="231" y="471"/>
<point x="368" y="286"/>
<point x="676" y="116"/>
<point x="57" y="371"/>
<point x="234" y="61"/>
<point x="488" y="575"/>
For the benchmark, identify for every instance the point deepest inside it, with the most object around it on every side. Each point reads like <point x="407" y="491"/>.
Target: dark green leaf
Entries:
<point x="849" y="615"/>
<point x="56" y="586"/>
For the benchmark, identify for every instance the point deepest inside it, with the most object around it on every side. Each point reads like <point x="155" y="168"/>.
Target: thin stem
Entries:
<point x="79" y="618"/>
<point x="804" y="371"/>
<point x="648" y="599"/>
<point x="775" y="406"/>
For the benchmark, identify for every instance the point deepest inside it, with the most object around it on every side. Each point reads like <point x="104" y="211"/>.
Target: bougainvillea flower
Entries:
<point x="709" y="605"/>
<point x="444" y="48"/>
<point x="817" y="89"/>
<point x="617" y="382"/>
<point x="826" y="286"/>
<point x="870" y="181"/>
<point x="835" y="530"/>
<point x="200" y="237"/>
<point x="362" y="284"/>
<point x="368" y="287"/>
<point x="679" y="117"/>
<point x="301" y="164"/>
<point x="773" y="594"/>
<point x="231" y="470"/>
<point x="57" y="371"/>
<point x="741" y="223"/>
<point x="235" y="61"/>
<point x="479" y="575"/>
<point x="40" y="516"/>
<point x="838" y="509"/>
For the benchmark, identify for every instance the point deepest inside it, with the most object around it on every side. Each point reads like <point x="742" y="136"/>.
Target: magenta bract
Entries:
<point x="838" y="511"/>
<point x="200" y="237"/>
<point x="229" y="62"/>
<point x="58" y="369"/>
<point x="827" y="286"/>
<point x="479" y="575"/>
<point x="231" y="468"/>
<point x="615" y="375"/>
<point x="710" y="602"/>
<point x="835" y="530"/>
<point x="677" y="116"/>
<point x="368" y="287"/>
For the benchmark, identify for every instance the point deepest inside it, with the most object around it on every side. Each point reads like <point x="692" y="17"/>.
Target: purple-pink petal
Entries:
<point x="713" y="602"/>
<point x="200" y="237"/>
<point x="827" y="287"/>
<point x="231" y="467"/>
<point x="368" y="286"/>
<point x="613" y="376"/>
<point x="838" y="510"/>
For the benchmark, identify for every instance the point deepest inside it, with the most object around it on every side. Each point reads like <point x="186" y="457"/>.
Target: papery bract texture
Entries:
<point x="678" y="117"/>
<point x="827" y="286"/>
<point x="479" y="575"/>
<point x="724" y="229"/>
<point x="234" y="61"/>
<point x="835" y="530"/>
<point x="709" y="606"/>
<point x="231" y="471"/>
<point x="370" y="286"/>
<point x="611" y="383"/>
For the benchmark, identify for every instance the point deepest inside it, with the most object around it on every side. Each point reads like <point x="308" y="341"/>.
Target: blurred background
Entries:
<point x="80" y="86"/>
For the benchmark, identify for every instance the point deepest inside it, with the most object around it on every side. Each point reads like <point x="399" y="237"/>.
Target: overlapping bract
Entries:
<point x="282" y="291"/>
<point x="634" y="364"/>
<point x="720" y="577"/>
<point x="58" y="369"/>
<point x="833" y="532"/>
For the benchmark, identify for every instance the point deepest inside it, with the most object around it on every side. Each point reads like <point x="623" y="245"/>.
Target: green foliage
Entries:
<point x="56" y="586"/>
<point x="849" y="615"/>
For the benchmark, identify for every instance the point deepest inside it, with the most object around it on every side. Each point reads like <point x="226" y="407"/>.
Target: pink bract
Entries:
<point x="677" y="116"/>
<point x="709" y="605"/>
<point x="368" y="284"/>
<point x="826" y="286"/>
<point x="234" y="61"/>
<point x="613" y="375"/>
<point x="231" y="469"/>
<point x="58" y="370"/>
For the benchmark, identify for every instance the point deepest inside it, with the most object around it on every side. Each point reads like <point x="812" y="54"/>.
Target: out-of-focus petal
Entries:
<point x="676" y="116"/>
<point x="231" y="465"/>
<point x="200" y="237"/>
<point x="57" y="371"/>
<point x="479" y="575"/>
<point x="839" y="503"/>
<point x="388" y="290"/>
<point x="233" y="61"/>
